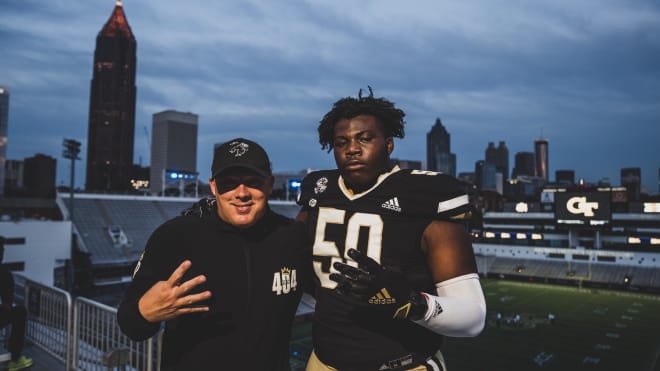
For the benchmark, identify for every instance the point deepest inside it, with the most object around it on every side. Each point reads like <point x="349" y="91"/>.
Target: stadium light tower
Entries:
<point x="71" y="151"/>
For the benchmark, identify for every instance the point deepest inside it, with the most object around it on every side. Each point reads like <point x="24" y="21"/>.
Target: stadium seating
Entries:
<point x="608" y="274"/>
<point x="135" y="218"/>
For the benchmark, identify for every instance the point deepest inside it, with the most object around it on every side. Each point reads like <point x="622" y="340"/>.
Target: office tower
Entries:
<point x="173" y="147"/>
<point x="499" y="157"/>
<point x="565" y="177"/>
<point x="491" y="153"/>
<point x="39" y="176"/>
<point x="4" y="122"/>
<point x="502" y="160"/>
<point x="631" y="178"/>
<point x="438" y="150"/>
<point x="541" y="158"/>
<point x="13" y="177"/>
<point x="112" y="107"/>
<point x="523" y="164"/>
<point x="485" y="178"/>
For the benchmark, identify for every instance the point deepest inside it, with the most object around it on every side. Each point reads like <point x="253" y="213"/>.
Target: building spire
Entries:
<point x="117" y="24"/>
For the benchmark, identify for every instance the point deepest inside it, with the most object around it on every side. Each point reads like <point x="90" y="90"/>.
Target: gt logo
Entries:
<point x="579" y="205"/>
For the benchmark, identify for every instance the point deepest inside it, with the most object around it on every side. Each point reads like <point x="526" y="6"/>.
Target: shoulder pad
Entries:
<point x="437" y="195"/>
<point x="315" y="183"/>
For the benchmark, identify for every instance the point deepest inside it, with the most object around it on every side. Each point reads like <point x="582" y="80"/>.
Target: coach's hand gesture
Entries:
<point x="168" y="299"/>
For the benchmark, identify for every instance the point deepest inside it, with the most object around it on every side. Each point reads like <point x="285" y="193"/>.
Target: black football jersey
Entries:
<point x="386" y="223"/>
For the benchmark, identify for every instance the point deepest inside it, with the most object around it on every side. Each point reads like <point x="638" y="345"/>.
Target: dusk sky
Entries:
<point x="584" y="74"/>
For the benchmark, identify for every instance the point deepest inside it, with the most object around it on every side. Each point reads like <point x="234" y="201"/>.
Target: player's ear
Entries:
<point x="389" y="144"/>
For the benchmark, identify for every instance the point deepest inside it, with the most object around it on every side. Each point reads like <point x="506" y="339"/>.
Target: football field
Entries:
<point x="593" y="330"/>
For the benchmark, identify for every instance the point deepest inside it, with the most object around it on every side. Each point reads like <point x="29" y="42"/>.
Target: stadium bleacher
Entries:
<point x="134" y="216"/>
<point x="610" y="274"/>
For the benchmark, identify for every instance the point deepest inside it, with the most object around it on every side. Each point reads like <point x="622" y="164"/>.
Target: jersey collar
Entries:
<point x="381" y="178"/>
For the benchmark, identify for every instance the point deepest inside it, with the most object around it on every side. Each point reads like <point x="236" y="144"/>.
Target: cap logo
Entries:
<point x="238" y="149"/>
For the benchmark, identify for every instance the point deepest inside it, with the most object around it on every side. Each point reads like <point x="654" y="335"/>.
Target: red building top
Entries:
<point x="117" y="25"/>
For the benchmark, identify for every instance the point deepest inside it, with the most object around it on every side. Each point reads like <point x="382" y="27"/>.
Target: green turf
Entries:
<point x="594" y="330"/>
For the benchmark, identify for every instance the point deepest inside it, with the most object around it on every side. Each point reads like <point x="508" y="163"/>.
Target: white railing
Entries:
<point x="83" y="334"/>
<point x="99" y="343"/>
<point x="49" y="317"/>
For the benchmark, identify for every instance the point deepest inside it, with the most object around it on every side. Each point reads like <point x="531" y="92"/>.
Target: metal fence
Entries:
<point x="49" y="317"/>
<point x="83" y="334"/>
<point x="99" y="344"/>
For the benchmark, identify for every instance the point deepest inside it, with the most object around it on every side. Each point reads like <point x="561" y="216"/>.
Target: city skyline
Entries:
<point x="511" y="73"/>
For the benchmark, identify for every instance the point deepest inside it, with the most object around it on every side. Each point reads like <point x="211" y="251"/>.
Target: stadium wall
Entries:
<point x="40" y="247"/>
<point x="608" y="257"/>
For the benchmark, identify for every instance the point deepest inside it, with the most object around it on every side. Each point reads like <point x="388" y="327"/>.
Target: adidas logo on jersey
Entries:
<point x="392" y="204"/>
<point x="382" y="297"/>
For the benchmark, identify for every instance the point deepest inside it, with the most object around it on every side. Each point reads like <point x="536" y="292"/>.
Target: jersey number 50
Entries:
<point x="324" y="248"/>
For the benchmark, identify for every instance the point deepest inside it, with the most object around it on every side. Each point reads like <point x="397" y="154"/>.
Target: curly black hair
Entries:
<point x="390" y="117"/>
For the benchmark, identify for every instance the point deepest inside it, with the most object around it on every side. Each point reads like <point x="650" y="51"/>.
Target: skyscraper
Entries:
<point x="485" y="178"/>
<point x="541" y="158"/>
<point x="4" y="122"/>
<point x="502" y="160"/>
<point x="14" y="177"/>
<point x="498" y="157"/>
<point x="438" y="150"/>
<point x="491" y="153"/>
<point x="524" y="164"/>
<point x="631" y="178"/>
<point x="112" y="106"/>
<point x="39" y="175"/>
<point x="173" y="146"/>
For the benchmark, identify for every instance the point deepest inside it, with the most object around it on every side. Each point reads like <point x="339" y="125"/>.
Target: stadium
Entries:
<point x="566" y="290"/>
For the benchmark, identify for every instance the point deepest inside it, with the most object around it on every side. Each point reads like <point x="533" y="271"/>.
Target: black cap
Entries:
<point x="243" y="153"/>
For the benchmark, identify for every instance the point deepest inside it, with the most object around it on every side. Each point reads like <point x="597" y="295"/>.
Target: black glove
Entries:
<point x="379" y="287"/>
<point x="202" y="208"/>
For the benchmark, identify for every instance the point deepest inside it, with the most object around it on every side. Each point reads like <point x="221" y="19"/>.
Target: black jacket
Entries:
<point x="6" y="285"/>
<point x="255" y="277"/>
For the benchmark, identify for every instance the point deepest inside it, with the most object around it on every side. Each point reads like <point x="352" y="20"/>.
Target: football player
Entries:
<point x="394" y="266"/>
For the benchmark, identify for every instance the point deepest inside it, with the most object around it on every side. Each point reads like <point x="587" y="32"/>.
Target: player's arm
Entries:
<point x="448" y="250"/>
<point x="458" y="307"/>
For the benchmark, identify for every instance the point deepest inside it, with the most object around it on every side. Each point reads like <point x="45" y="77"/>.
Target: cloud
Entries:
<point x="490" y="71"/>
